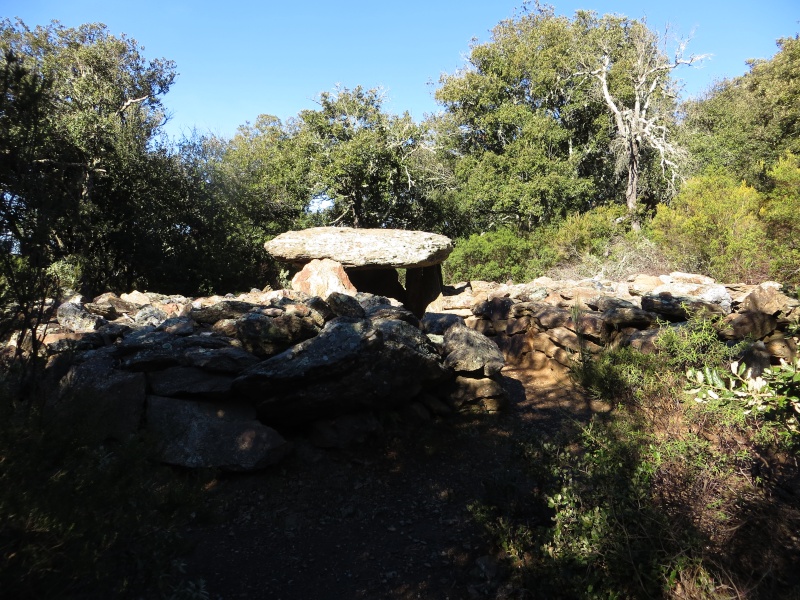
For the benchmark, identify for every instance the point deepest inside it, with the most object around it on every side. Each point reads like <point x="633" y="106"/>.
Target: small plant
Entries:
<point x="775" y="394"/>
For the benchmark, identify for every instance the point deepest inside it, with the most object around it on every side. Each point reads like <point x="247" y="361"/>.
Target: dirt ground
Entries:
<point x="388" y="518"/>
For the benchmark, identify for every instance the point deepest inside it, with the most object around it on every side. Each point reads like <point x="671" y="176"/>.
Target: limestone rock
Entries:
<point x="767" y="298"/>
<point x="71" y="316"/>
<point x="351" y="366"/>
<point x="623" y="316"/>
<point x="320" y="277"/>
<point x="150" y="315"/>
<point x="680" y="307"/>
<point x="205" y="435"/>
<point x="225" y="309"/>
<point x="344" y="305"/>
<point x="469" y="351"/>
<point x="136" y="298"/>
<point x="228" y="360"/>
<point x="266" y="336"/>
<point x="189" y="381"/>
<point x="465" y="389"/>
<point x="362" y="247"/>
<point x="756" y="325"/>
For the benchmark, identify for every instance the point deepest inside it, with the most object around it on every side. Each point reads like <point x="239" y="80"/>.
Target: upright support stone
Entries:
<point x="423" y="286"/>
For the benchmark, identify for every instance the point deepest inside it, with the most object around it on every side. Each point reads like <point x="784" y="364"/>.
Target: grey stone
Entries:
<point x="189" y="381"/>
<point x="150" y="315"/>
<point x="351" y="366"/>
<point x="111" y="401"/>
<point x="395" y="248"/>
<point x="226" y="309"/>
<point x="463" y="390"/>
<point x="71" y="316"/>
<point x="756" y="325"/>
<point x="438" y="323"/>
<point x="205" y="435"/>
<point x="344" y="305"/>
<point x="228" y="360"/>
<point x="468" y="351"/>
<point x="266" y="336"/>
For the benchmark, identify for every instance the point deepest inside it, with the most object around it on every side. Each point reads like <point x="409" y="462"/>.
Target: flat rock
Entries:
<point x="354" y="248"/>
<point x="205" y="435"/>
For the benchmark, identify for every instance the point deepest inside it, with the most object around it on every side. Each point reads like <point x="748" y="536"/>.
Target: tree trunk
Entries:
<point x="633" y="186"/>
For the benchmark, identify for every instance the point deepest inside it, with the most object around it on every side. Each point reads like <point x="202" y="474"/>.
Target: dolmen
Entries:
<point x="366" y="260"/>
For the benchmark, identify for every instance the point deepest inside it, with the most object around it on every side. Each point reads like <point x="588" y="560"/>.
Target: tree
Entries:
<point x="627" y="55"/>
<point x="529" y="143"/>
<point x="362" y="160"/>
<point x="745" y="124"/>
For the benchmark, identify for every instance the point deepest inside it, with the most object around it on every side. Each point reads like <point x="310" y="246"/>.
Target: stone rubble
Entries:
<point x="534" y="324"/>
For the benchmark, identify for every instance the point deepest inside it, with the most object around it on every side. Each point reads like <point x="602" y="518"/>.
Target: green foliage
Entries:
<point x="780" y="213"/>
<point x="773" y="395"/>
<point x="693" y="344"/>
<point x="504" y="254"/>
<point x="80" y="517"/>
<point x="712" y="227"/>
<point x="585" y="233"/>
<point x="535" y="138"/>
<point x="499" y="256"/>
<point x="532" y="141"/>
<point x="747" y="123"/>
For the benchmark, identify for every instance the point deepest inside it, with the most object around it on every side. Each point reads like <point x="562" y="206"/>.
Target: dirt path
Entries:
<point x="390" y="518"/>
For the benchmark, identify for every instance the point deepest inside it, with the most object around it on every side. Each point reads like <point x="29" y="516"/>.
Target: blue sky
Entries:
<point x="239" y="59"/>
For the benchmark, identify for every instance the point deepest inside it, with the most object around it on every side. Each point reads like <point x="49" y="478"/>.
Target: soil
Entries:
<point x="387" y="518"/>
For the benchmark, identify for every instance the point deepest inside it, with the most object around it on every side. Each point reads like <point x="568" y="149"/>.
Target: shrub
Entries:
<point x="781" y="216"/>
<point x="712" y="227"/>
<point x="773" y="395"/>
<point x="499" y="256"/>
<point x="83" y="518"/>
<point x="588" y="233"/>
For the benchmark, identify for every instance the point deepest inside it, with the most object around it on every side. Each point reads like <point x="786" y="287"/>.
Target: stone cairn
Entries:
<point x="223" y="381"/>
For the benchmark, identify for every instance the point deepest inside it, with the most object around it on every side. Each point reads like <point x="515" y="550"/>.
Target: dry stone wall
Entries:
<point x="545" y="325"/>
<point x="225" y="381"/>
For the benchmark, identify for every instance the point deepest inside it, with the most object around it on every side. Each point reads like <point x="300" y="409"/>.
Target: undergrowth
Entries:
<point x="663" y="497"/>
<point x="87" y="518"/>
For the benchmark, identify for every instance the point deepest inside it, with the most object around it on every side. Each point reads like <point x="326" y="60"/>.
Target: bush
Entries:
<point x="588" y="233"/>
<point x="80" y="517"/>
<point x="712" y="227"/>
<point x="781" y="216"/>
<point x="500" y="255"/>
<point x="504" y="255"/>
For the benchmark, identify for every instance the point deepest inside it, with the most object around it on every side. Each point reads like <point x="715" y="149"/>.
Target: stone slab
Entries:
<point x="362" y="248"/>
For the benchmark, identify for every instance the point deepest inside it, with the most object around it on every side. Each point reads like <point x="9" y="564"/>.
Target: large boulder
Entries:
<point x="468" y="351"/>
<point x="72" y="316"/>
<point x="320" y="277"/>
<point x="205" y="435"/>
<point x="395" y="248"/>
<point x="108" y="400"/>
<point x="351" y="366"/>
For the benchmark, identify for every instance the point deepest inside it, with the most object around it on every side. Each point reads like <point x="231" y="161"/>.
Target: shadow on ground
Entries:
<point x="390" y="518"/>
